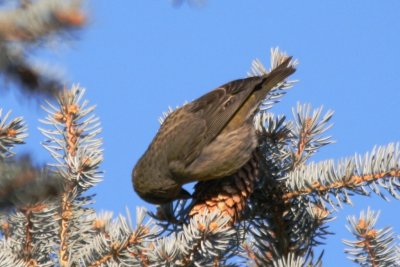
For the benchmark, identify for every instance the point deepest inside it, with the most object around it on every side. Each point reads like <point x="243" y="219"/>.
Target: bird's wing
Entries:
<point x="207" y="116"/>
<point x="218" y="106"/>
<point x="186" y="144"/>
<point x="200" y="121"/>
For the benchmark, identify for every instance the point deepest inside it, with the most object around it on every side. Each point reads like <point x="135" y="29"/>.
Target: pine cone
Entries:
<point x="227" y="195"/>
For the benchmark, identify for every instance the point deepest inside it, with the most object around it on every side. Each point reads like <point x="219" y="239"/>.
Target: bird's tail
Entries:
<point x="269" y="81"/>
<point x="273" y="79"/>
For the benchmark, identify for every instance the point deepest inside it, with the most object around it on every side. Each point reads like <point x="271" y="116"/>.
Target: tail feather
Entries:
<point x="273" y="79"/>
<point x="270" y="81"/>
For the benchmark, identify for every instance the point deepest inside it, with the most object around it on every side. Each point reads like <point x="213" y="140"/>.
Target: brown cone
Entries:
<point x="227" y="195"/>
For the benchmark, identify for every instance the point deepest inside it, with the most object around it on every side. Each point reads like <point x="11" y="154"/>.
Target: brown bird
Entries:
<point x="209" y="138"/>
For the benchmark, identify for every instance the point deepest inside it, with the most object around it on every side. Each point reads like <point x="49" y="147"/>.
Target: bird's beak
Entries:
<point x="183" y="194"/>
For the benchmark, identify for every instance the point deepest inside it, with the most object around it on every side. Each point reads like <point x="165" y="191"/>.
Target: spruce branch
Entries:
<point x="360" y="174"/>
<point x="15" y="66"/>
<point x="30" y="243"/>
<point x="22" y="184"/>
<point x="307" y="131"/>
<point x="172" y="216"/>
<point x="30" y="231"/>
<point x="290" y="228"/>
<point x="308" y="227"/>
<point x="26" y="26"/>
<point x="373" y="247"/>
<point x="290" y="261"/>
<point x="119" y="242"/>
<point x="276" y="134"/>
<point x="278" y="227"/>
<point x="7" y="255"/>
<point x="38" y="19"/>
<point x="73" y="143"/>
<point x="12" y="133"/>
<point x="207" y="239"/>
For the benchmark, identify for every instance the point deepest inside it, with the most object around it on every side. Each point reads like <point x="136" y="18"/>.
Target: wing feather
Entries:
<point x="207" y="116"/>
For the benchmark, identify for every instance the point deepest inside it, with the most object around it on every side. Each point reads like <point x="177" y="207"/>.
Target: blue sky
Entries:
<point x="136" y="58"/>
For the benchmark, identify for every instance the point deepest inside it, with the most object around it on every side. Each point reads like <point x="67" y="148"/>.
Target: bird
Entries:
<point x="209" y="138"/>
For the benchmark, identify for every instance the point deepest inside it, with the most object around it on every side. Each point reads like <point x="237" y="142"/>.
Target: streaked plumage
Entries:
<point x="209" y="138"/>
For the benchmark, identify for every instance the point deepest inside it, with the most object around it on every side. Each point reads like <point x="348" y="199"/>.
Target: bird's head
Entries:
<point x="155" y="188"/>
<point x="164" y="197"/>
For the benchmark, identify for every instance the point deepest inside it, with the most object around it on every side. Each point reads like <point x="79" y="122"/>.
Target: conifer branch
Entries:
<point x="23" y="185"/>
<point x="307" y="131"/>
<point x="360" y="174"/>
<point x="27" y="25"/>
<point x="119" y="242"/>
<point x="373" y="247"/>
<point x="40" y="18"/>
<point x="74" y="145"/>
<point x="11" y="134"/>
<point x="279" y="227"/>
